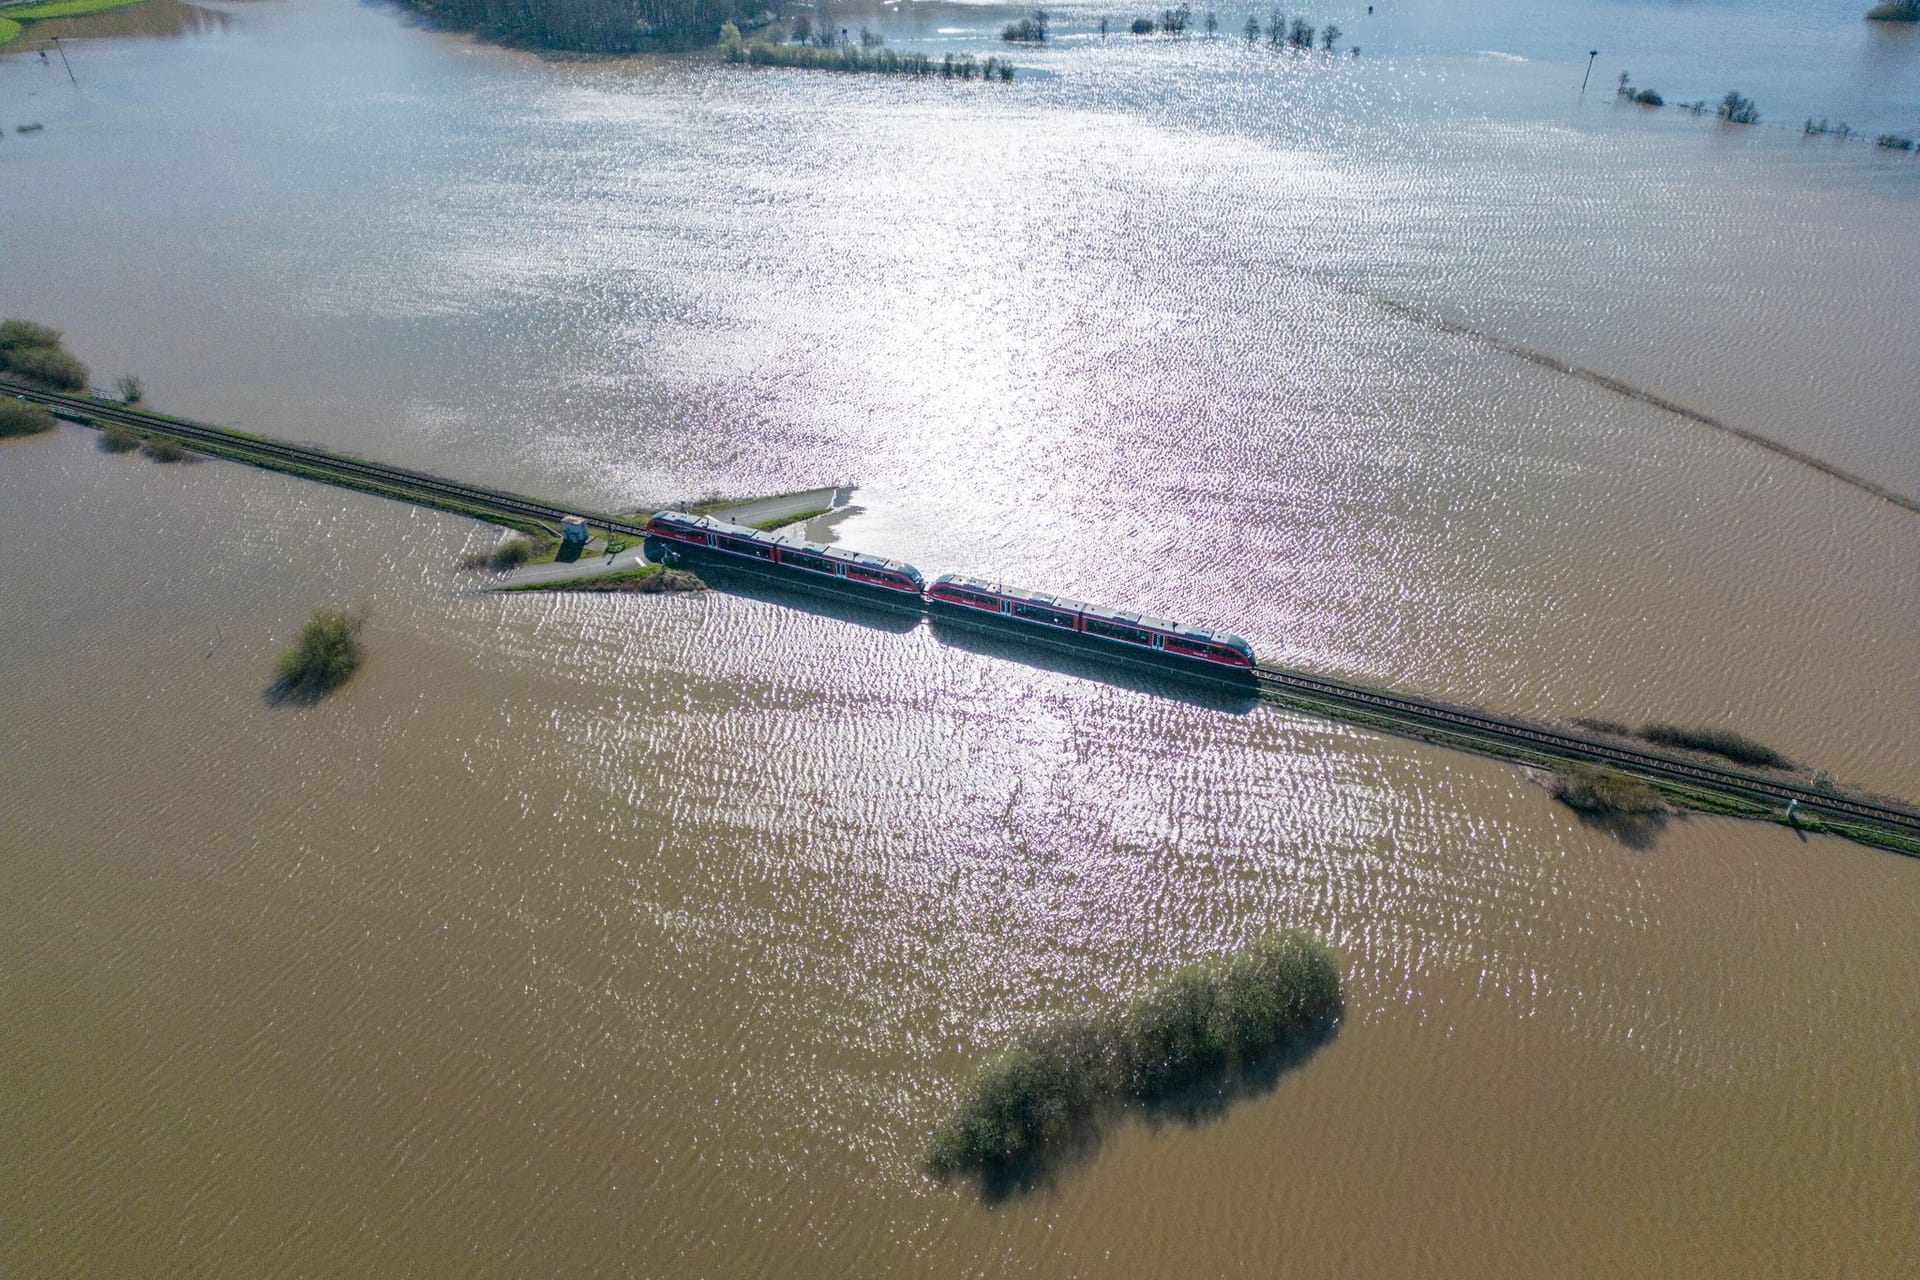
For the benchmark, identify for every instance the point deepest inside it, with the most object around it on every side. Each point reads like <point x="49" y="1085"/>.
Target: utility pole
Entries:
<point x="1591" y="55"/>
<point x="63" y="59"/>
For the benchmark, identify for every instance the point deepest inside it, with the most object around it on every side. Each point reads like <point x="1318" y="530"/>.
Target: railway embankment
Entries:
<point x="1686" y="779"/>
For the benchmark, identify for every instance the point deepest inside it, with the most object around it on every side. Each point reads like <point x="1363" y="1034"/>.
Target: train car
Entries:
<point x="1055" y="613"/>
<point x="786" y="551"/>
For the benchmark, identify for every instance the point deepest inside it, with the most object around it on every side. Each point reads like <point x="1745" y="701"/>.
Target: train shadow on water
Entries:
<point x="1233" y="692"/>
<point x="872" y="608"/>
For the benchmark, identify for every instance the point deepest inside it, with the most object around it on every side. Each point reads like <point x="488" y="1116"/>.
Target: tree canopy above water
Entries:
<point x="593" y="26"/>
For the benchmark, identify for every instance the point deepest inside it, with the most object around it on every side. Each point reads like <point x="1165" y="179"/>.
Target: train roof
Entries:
<point x="1092" y="610"/>
<point x="795" y="542"/>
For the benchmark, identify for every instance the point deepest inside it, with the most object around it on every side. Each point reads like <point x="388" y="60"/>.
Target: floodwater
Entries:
<point x="651" y="935"/>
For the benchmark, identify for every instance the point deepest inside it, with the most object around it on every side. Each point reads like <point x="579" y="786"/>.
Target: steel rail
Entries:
<point x="1594" y="749"/>
<point x="187" y="430"/>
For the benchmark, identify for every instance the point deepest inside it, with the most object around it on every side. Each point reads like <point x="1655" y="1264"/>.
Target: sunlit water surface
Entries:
<point x="652" y="935"/>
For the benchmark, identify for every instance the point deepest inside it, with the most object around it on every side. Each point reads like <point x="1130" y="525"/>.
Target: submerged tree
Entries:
<point x="1736" y="109"/>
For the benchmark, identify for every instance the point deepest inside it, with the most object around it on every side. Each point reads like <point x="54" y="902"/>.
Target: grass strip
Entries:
<point x="780" y="522"/>
<point x="63" y="9"/>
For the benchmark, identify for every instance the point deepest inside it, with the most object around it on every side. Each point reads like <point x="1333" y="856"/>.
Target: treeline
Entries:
<point x="596" y="26"/>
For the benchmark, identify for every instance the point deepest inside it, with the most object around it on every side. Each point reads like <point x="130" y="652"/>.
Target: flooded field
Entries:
<point x="652" y="935"/>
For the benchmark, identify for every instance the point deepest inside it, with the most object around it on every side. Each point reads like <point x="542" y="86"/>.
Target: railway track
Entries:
<point x="373" y="474"/>
<point x="1565" y="744"/>
<point x="1403" y="709"/>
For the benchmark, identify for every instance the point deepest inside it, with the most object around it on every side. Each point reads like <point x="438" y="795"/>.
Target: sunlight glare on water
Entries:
<point x="650" y="935"/>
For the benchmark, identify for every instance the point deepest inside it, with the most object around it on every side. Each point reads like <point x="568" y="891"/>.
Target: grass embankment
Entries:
<point x="63" y="9"/>
<point x="234" y="448"/>
<point x="1192" y="1028"/>
<point x="323" y="657"/>
<point x="646" y="579"/>
<point x="11" y="24"/>
<point x="33" y="352"/>
<point x="521" y="550"/>
<point x="781" y="522"/>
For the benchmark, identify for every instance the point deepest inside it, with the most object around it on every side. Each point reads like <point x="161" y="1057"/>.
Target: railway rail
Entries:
<point x="374" y="474"/>
<point x="1405" y="711"/>
<point x="1593" y="749"/>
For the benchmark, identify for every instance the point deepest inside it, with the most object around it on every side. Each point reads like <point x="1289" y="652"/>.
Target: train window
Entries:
<point x="1116" y="631"/>
<point x="1050" y="617"/>
<point x="807" y="560"/>
<point x="972" y="599"/>
<point x="741" y="547"/>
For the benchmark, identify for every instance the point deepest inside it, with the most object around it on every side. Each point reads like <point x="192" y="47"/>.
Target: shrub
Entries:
<point x="1602" y="792"/>
<point x="1142" y="26"/>
<point x="1735" y="109"/>
<point x="510" y="554"/>
<point x="163" y="449"/>
<point x="1648" y="98"/>
<point x="1719" y="742"/>
<point x="18" y="418"/>
<point x="132" y="390"/>
<point x="1896" y="11"/>
<point x="324" y="655"/>
<point x="50" y="365"/>
<point x="117" y="440"/>
<point x="734" y="49"/>
<point x="1027" y="30"/>
<point x="1894" y="142"/>
<point x="25" y="333"/>
<point x="1053" y="1083"/>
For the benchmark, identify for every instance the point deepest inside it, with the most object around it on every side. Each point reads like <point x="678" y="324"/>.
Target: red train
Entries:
<point x="1054" y="613"/>
<point x="786" y="550"/>
<point x="972" y="595"/>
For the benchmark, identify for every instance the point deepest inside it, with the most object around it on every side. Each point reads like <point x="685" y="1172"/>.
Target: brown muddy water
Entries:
<point x="650" y="936"/>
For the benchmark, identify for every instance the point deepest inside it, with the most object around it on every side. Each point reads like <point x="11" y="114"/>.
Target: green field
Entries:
<point x="10" y="25"/>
